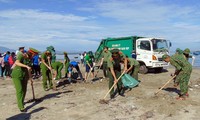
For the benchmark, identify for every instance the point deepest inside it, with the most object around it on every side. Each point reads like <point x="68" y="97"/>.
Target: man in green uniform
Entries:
<point x="46" y="70"/>
<point x="183" y="72"/>
<point x="66" y="63"/>
<point x="89" y="66"/>
<point x="186" y="53"/>
<point x="105" y="56"/>
<point x="114" y="71"/>
<point x="53" y="53"/>
<point x="133" y="67"/>
<point x="19" y="75"/>
<point x="57" y="66"/>
<point x="179" y="51"/>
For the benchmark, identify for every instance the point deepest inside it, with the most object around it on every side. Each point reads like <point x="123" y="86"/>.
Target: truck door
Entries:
<point x="144" y="52"/>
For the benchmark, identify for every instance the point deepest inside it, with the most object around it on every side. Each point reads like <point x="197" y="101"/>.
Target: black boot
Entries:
<point x="112" y="96"/>
<point x="122" y="92"/>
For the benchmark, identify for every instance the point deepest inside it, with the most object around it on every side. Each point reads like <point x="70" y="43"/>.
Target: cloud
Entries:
<point x="37" y="14"/>
<point x="33" y="27"/>
<point x="84" y="28"/>
<point x="174" y="21"/>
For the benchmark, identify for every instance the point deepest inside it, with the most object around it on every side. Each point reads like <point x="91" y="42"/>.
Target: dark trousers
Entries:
<point x="105" y="69"/>
<point x="79" y="72"/>
<point x="134" y="72"/>
<point x="2" y="71"/>
<point x="36" y="70"/>
<point x="7" y="69"/>
<point x="111" y="82"/>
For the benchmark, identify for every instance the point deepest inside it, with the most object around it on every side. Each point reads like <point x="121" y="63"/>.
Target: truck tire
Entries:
<point x="143" y="69"/>
<point x="158" y="70"/>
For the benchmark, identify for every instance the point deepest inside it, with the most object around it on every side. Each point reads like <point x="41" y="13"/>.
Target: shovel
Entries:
<point x="53" y="81"/>
<point x="103" y="101"/>
<point x="32" y="100"/>
<point x="165" y="85"/>
<point x="98" y="71"/>
<point x="90" y="70"/>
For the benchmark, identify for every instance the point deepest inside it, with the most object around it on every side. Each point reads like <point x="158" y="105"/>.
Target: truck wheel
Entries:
<point x="158" y="70"/>
<point x="143" y="69"/>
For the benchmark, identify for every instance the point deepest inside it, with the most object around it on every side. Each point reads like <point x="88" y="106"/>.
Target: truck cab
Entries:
<point x="149" y="53"/>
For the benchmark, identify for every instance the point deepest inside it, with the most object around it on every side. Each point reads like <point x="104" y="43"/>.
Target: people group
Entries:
<point x="114" y="63"/>
<point x="183" y="70"/>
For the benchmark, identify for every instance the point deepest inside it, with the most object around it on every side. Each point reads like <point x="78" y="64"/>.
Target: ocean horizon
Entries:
<point x="76" y="57"/>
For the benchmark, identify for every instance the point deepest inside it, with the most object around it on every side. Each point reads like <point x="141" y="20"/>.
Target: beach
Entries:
<point x="80" y="101"/>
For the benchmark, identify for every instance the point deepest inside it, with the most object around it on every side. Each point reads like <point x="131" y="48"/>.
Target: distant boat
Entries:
<point x="196" y="53"/>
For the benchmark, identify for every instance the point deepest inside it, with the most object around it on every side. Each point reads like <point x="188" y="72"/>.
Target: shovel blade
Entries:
<point x="103" y="101"/>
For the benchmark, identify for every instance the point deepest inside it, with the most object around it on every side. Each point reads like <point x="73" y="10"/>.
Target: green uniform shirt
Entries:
<point x="57" y="64"/>
<point x="111" y="63"/>
<point x="133" y="62"/>
<point x="44" y="56"/>
<point x="88" y="59"/>
<point x="180" y="63"/>
<point x="53" y="55"/>
<point x="17" y="71"/>
<point x="67" y="60"/>
<point x="106" y="56"/>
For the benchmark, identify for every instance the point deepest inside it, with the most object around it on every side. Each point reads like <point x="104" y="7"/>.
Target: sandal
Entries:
<point x="186" y="94"/>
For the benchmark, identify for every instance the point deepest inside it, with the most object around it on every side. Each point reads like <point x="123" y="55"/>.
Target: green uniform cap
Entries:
<point x="179" y="51"/>
<point x="165" y="56"/>
<point x="114" y="50"/>
<point x="186" y="51"/>
<point x="50" y="48"/>
<point x="65" y="53"/>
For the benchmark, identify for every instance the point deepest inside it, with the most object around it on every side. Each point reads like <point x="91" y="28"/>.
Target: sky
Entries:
<point x="80" y="25"/>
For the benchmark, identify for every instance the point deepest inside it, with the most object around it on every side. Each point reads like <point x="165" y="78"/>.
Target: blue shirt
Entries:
<point x="74" y="63"/>
<point x="35" y="60"/>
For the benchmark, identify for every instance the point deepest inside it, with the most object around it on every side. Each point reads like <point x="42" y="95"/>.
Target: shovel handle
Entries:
<point x="90" y="70"/>
<point x="53" y="81"/>
<point x="165" y="84"/>
<point x="98" y="70"/>
<point x="30" y="78"/>
<point x="114" y="84"/>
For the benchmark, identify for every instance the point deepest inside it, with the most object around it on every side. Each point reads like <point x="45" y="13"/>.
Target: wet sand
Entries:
<point x="80" y="101"/>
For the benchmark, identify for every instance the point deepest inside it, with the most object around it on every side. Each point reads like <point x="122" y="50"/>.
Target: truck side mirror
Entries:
<point x="170" y="44"/>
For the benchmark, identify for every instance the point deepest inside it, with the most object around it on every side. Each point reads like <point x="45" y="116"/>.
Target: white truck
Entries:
<point x="148" y="51"/>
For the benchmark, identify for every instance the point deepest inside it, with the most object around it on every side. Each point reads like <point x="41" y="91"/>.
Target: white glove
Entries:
<point x="91" y="69"/>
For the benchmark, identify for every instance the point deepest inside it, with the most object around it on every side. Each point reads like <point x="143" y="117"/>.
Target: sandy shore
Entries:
<point x="80" y="101"/>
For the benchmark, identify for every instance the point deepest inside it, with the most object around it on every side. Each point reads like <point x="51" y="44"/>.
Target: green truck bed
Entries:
<point x="124" y="44"/>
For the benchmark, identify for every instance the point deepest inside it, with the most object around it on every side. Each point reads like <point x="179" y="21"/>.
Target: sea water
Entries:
<point x="76" y="57"/>
<point x="72" y="57"/>
<point x="196" y="61"/>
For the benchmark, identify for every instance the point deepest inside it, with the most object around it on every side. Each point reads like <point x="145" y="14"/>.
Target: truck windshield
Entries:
<point x="160" y="45"/>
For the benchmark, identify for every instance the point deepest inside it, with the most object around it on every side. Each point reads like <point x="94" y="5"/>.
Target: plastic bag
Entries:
<point x="128" y="81"/>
